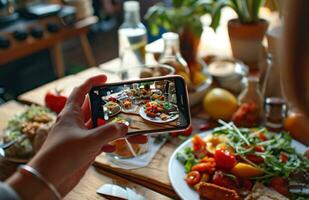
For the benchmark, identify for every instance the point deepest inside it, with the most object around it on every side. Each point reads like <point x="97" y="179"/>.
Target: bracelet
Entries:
<point x="36" y="174"/>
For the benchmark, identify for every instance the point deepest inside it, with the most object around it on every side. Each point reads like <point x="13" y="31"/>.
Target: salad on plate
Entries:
<point x="232" y="163"/>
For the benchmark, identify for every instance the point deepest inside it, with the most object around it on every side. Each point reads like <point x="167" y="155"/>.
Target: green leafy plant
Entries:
<point x="180" y="14"/>
<point x="246" y="10"/>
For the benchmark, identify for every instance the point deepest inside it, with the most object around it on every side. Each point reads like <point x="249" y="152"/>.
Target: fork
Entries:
<point x="11" y="143"/>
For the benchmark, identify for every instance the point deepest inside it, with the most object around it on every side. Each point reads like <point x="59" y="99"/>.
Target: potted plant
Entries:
<point x="247" y="31"/>
<point x="182" y="17"/>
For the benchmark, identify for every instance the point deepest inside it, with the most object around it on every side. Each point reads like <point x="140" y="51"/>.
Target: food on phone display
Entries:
<point x="231" y="163"/>
<point x="127" y="104"/>
<point x="149" y="105"/>
<point x="162" y="109"/>
<point x="111" y="105"/>
<point x="35" y="123"/>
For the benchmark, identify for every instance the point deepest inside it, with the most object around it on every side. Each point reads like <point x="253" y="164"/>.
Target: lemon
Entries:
<point x="220" y="104"/>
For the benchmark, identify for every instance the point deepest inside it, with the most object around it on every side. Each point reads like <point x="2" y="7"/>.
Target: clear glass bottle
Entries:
<point x="132" y="36"/>
<point x="171" y="55"/>
<point x="252" y="96"/>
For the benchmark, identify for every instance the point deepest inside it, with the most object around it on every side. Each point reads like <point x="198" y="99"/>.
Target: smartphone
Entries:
<point x="152" y="105"/>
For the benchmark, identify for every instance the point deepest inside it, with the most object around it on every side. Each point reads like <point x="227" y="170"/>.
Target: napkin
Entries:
<point x="141" y="160"/>
<point x="119" y="192"/>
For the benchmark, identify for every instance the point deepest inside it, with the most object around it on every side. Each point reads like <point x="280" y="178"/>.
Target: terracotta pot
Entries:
<point x="189" y="43"/>
<point x="246" y="40"/>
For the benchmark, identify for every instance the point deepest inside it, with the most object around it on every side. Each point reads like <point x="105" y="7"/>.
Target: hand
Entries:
<point x="71" y="147"/>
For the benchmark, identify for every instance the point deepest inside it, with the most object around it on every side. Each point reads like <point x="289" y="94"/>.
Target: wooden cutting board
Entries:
<point x="154" y="176"/>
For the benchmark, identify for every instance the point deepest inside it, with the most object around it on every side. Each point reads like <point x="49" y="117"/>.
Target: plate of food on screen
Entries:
<point x="159" y="111"/>
<point x="112" y="108"/>
<point x="128" y="106"/>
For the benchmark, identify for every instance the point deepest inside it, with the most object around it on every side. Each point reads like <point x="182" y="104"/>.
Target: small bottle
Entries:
<point x="132" y="36"/>
<point x="275" y="113"/>
<point x="253" y="98"/>
<point x="171" y="55"/>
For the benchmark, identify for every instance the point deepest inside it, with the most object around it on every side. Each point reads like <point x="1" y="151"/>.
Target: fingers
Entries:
<point x="88" y="124"/>
<point x="86" y="108"/>
<point x="107" y="133"/>
<point x="138" y="139"/>
<point x="108" y="148"/>
<point x="77" y="97"/>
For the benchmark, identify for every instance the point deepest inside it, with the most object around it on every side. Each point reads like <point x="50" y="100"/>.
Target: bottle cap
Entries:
<point x="170" y="36"/>
<point x="131" y="6"/>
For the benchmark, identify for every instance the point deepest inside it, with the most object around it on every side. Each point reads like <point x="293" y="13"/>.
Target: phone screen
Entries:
<point x="146" y="106"/>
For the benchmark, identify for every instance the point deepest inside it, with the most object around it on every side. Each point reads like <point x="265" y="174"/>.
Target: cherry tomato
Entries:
<point x="204" y="167"/>
<point x="224" y="181"/>
<point x="193" y="178"/>
<point x="198" y="143"/>
<point x="255" y="159"/>
<point x="259" y="148"/>
<point x="283" y="157"/>
<point x="55" y="101"/>
<point x="262" y="136"/>
<point x="225" y="160"/>
<point x="280" y="185"/>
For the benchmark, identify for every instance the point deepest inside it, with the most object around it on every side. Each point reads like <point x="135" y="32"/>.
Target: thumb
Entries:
<point x="109" y="132"/>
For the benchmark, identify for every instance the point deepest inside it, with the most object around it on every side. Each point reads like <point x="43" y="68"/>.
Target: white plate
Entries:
<point x="177" y="173"/>
<point x="156" y="119"/>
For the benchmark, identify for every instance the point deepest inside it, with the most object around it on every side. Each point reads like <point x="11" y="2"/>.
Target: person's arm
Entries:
<point x="69" y="149"/>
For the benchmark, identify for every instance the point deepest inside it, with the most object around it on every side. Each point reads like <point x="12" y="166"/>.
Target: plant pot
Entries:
<point x="246" y="40"/>
<point x="189" y="43"/>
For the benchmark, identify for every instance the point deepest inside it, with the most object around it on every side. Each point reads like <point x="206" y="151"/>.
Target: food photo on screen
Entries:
<point x="144" y="106"/>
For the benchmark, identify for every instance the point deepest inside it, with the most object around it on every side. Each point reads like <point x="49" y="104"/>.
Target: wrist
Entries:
<point x="28" y="187"/>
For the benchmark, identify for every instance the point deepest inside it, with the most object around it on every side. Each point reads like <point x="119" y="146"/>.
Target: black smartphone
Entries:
<point x="151" y="105"/>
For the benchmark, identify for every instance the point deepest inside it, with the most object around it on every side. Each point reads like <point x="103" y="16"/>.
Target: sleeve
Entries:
<point x="7" y="193"/>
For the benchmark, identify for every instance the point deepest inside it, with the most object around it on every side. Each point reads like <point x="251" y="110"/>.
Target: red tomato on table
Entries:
<point x="55" y="101"/>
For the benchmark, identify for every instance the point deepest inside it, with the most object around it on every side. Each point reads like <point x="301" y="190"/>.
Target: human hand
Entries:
<point x="71" y="147"/>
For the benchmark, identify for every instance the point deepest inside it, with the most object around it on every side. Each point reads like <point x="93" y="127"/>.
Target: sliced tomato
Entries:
<point x="259" y="148"/>
<point x="255" y="159"/>
<point x="225" y="160"/>
<point x="262" y="136"/>
<point x="204" y="167"/>
<point x="193" y="178"/>
<point x="198" y="143"/>
<point x="283" y="157"/>
<point x="280" y="185"/>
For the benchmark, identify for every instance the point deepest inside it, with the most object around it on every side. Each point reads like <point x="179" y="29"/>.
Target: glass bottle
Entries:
<point x="253" y="97"/>
<point x="171" y="55"/>
<point x="132" y="36"/>
<point x="273" y="90"/>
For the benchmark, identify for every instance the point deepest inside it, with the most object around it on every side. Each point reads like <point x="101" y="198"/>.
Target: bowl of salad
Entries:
<point x="30" y="129"/>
